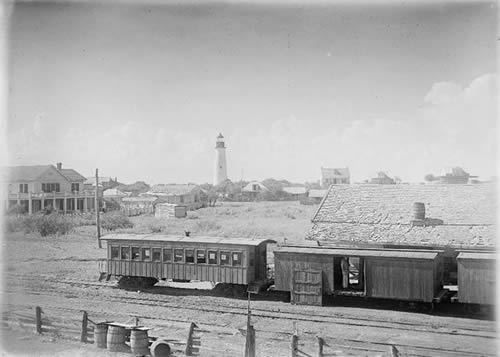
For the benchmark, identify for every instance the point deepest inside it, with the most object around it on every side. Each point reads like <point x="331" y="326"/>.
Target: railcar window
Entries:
<point x="225" y="258"/>
<point x="189" y="255"/>
<point x="212" y="257"/>
<point x="125" y="253"/>
<point x="237" y="261"/>
<point x="115" y="252"/>
<point x="178" y="255"/>
<point x="201" y="258"/>
<point x="146" y="253"/>
<point x="167" y="255"/>
<point x="156" y="254"/>
<point x="135" y="253"/>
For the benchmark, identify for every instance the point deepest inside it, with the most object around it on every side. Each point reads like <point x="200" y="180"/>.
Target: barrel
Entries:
<point x="160" y="348"/>
<point x="116" y="339"/>
<point x="139" y="342"/>
<point x="100" y="332"/>
<point x="419" y="211"/>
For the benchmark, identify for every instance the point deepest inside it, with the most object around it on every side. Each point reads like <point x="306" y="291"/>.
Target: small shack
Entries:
<point x="169" y="210"/>
<point x="476" y="277"/>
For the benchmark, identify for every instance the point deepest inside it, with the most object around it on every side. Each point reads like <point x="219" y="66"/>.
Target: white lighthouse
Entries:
<point x="220" y="161"/>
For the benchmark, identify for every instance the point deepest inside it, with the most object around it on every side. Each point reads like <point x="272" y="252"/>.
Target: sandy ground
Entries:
<point x="46" y="271"/>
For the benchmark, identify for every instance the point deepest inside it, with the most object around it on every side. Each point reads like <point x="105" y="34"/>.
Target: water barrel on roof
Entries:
<point x="418" y="211"/>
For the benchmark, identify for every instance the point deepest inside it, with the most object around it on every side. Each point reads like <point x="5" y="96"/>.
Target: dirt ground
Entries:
<point x="59" y="273"/>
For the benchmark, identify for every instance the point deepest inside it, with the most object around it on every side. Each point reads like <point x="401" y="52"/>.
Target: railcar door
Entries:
<point x="307" y="287"/>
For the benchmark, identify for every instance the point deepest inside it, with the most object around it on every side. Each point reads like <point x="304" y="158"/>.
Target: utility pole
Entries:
<point x="97" y="208"/>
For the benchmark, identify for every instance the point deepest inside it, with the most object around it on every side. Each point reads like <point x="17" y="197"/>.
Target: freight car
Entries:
<point x="144" y="259"/>
<point x="415" y="275"/>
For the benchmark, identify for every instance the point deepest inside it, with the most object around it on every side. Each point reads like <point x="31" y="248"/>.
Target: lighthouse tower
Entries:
<point x="220" y="161"/>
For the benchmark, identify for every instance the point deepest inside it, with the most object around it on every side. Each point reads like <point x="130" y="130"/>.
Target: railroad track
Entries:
<point x="356" y="344"/>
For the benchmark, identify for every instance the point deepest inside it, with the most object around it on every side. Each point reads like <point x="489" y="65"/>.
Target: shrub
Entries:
<point x="207" y="226"/>
<point x="16" y="209"/>
<point x="155" y="227"/>
<point x="44" y="224"/>
<point x="115" y="220"/>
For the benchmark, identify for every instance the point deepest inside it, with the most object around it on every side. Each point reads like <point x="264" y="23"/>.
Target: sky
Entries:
<point x="142" y="90"/>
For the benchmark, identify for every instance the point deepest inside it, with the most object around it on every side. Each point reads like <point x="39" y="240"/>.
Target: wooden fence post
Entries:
<point x="38" y="319"/>
<point x="85" y="318"/>
<point x="321" y="343"/>
<point x="189" y="342"/>
<point x="295" y="345"/>
<point x="250" y="342"/>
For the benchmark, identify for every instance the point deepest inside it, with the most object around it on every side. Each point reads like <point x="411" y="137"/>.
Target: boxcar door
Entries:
<point x="307" y="287"/>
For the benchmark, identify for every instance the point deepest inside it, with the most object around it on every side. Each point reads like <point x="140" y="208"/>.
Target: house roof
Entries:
<point x="249" y="187"/>
<point x="295" y="190"/>
<point x="184" y="239"/>
<point x="113" y="192"/>
<point x="172" y="189"/>
<point x="91" y="180"/>
<point x="317" y="193"/>
<point x="342" y="172"/>
<point x="72" y="175"/>
<point x="382" y="214"/>
<point x="139" y="199"/>
<point x="26" y="173"/>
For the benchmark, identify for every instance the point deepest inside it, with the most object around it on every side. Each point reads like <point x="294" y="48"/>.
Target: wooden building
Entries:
<point x="228" y="260"/>
<point x="169" y="210"/>
<point x="403" y="239"/>
<point x="191" y="196"/>
<point x="476" y="278"/>
<point x="379" y="273"/>
<point x="135" y="206"/>
<point x="335" y="176"/>
<point x="38" y="187"/>
<point x="296" y="193"/>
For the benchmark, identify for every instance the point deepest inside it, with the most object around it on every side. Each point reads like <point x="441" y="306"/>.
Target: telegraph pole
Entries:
<point x="97" y="208"/>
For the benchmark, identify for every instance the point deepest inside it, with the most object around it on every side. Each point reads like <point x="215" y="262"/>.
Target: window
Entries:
<point x="212" y="257"/>
<point x="201" y="258"/>
<point x="189" y="255"/>
<point x="51" y="187"/>
<point x="135" y="253"/>
<point x="178" y="255"/>
<point x="225" y="258"/>
<point x="23" y="188"/>
<point x="146" y="253"/>
<point x="115" y="252"/>
<point x="157" y="254"/>
<point x="75" y="187"/>
<point x="167" y="255"/>
<point x="125" y="253"/>
<point x="237" y="261"/>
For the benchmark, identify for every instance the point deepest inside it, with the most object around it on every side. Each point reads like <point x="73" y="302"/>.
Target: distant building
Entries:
<point x="334" y="176"/>
<point x="40" y="186"/>
<point x="114" y="194"/>
<point x="220" y="161"/>
<point x="189" y="195"/>
<point x="134" y="206"/>
<point x="456" y="176"/>
<point x="382" y="179"/>
<point x="316" y="196"/>
<point x="297" y="193"/>
<point x="253" y="189"/>
<point x="105" y="182"/>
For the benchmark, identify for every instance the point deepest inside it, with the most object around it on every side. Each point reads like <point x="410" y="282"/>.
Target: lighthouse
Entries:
<point x="220" y="161"/>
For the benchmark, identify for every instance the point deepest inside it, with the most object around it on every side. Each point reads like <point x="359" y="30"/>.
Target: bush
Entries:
<point x="44" y="224"/>
<point x="155" y="227"/>
<point x="16" y="209"/>
<point x="115" y="220"/>
<point x="207" y="226"/>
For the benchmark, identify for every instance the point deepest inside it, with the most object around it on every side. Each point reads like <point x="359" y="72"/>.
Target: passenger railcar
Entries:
<point x="152" y="257"/>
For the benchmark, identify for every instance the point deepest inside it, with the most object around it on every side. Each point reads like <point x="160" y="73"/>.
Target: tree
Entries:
<point x="430" y="178"/>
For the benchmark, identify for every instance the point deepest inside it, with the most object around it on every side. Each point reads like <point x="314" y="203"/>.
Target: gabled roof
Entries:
<point x="113" y="192"/>
<point x="327" y="172"/>
<point x="250" y="185"/>
<point x="139" y="199"/>
<point x="27" y="173"/>
<point x="295" y="190"/>
<point x="383" y="214"/>
<point x="172" y="189"/>
<point x="72" y="175"/>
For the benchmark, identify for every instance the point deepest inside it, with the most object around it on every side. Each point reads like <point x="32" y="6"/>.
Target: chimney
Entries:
<point x="59" y="166"/>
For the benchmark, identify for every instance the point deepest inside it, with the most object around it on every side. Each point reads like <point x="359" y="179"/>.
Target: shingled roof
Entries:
<point x="72" y="175"/>
<point x="383" y="214"/>
<point x="172" y="189"/>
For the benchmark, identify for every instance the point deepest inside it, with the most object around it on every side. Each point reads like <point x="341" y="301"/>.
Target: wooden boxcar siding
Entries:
<point x="286" y="263"/>
<point x="476" y="281"/>
<point x="409" y="279"/>
<point x="184" y="271"/>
